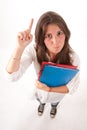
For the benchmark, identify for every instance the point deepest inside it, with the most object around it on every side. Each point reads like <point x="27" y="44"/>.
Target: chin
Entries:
<point x="57" y="51"/>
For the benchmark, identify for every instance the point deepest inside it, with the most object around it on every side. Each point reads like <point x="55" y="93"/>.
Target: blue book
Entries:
<point x="54" y="75"/>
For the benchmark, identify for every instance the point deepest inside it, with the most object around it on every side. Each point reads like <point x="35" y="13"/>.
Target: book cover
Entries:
<point x="54" y="75"/>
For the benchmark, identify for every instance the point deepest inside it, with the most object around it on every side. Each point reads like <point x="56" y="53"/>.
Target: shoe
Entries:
<point x="53" y="112"/>
<point x="41" y="109"/>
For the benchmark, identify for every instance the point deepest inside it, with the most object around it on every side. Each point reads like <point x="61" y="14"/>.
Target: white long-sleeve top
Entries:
<point x="29" y="57"/>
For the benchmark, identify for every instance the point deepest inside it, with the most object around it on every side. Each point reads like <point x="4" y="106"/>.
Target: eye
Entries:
<point x="59" y="33"/>
<point x="49" y="36"/>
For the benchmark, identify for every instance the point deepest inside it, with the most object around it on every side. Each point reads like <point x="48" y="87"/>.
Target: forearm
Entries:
<point x="14" y="61"/>
<point x="61" y="89"/>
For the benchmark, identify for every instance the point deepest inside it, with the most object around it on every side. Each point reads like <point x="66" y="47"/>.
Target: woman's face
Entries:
<point x="54" y="39"/>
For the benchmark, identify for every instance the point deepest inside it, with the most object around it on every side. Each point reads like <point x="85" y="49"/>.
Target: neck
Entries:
<point x="52" y="56"/>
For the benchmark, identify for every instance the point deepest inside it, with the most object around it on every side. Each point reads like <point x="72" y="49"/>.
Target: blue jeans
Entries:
<point x="52" y="104"/>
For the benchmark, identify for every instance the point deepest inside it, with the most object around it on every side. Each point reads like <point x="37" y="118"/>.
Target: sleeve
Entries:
<point x="74" y="83"/>
<point x="26" y="60"/>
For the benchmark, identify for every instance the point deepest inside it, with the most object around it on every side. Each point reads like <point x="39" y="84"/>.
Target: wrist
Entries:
<point x="19" y="50"/>
<point x="17" y="53"/>
<point x="15" y="58"/>
<point x="49" y="89"/>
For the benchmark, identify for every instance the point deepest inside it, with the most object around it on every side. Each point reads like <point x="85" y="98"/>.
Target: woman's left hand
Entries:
<point x="42" y="86"/>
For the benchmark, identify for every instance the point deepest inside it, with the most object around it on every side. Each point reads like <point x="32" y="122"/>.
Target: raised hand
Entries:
<point x="25" y="37"/>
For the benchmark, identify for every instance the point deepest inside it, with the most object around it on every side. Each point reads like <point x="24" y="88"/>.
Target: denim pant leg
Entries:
<point x="54" y="104"/>
<point x="40" y="101"/>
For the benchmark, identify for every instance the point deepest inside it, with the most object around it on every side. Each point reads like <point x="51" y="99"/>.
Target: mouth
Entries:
<point x="56" y="47"/>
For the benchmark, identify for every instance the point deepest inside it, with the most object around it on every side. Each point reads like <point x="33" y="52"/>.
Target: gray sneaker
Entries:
<point x="41" y="109"/>
<point x="53" y="112"/>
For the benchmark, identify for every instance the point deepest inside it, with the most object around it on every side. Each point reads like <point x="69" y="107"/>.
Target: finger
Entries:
<point x="20" y="35"/>
<point x="31" y="24"/>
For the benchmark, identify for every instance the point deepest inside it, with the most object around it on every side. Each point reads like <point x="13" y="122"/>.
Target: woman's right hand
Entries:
<point x="25" y="37"/>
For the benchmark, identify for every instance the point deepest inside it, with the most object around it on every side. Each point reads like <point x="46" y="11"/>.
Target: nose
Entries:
<point x="55" y="40"/>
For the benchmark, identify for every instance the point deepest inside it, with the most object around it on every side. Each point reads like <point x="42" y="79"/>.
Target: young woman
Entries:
<point x="51" y="44"/>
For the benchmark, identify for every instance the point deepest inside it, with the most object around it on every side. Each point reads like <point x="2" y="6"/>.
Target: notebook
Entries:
<point x="54" y="75"/>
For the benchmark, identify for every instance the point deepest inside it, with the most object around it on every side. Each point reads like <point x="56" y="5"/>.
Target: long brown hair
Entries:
<point x="47" y="18"/>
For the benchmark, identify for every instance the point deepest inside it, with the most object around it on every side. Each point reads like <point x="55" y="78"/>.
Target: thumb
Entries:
<point x="20" y="36"/>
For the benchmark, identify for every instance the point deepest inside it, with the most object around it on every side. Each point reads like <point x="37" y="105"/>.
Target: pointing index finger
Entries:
<point x="31" y="24"/>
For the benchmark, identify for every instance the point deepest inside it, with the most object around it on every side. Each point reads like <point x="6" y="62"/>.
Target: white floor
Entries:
<point x="19" y="112"/>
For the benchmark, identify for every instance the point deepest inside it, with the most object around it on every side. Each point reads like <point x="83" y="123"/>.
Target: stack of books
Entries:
<point x="54" y="75"/>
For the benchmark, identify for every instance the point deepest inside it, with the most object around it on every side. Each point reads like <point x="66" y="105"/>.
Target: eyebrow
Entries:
<point x="51" y="33"/>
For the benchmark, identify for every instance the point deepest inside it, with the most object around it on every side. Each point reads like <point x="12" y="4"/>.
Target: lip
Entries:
<point x="56" y="47"/>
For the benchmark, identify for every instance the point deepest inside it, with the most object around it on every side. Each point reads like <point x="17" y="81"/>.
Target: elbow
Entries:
<point x="67" y="90"/>
<point x="9" y="71"/>
<point x="10" y="76"/>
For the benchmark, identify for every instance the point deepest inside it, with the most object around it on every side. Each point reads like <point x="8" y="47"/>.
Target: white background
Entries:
<point x="17" y="110"/>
